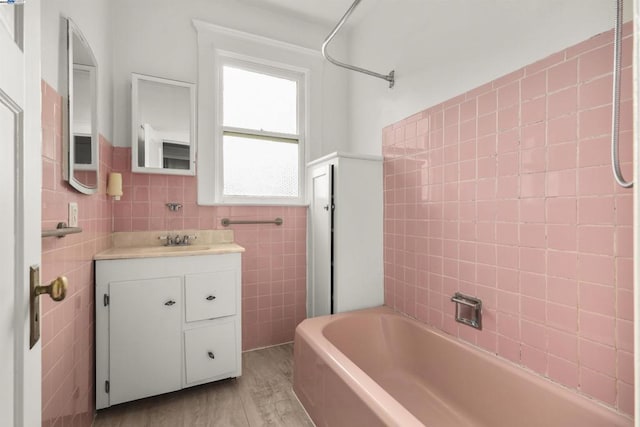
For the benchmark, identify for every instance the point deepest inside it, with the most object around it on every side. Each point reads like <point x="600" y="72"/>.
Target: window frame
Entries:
<point x="275" y="69"/>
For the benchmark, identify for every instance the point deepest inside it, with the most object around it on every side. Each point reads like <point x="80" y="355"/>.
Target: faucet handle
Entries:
<point x="177" y="239"/>
<point x="168" y="240"/>
<point x="187" y="238"/>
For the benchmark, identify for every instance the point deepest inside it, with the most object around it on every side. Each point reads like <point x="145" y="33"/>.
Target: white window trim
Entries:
<point x="216" y="44"/>
<point x="276" y="70"/>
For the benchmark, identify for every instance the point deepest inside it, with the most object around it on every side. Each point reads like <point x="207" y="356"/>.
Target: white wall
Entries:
<point x="156" y="37"/>
<point x="93" y="19"/>
<point x="439" y="48"/>
<point x="442" y="48"/>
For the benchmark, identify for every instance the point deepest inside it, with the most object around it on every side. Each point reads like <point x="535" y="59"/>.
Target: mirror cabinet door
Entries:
<point x="163" y="122"/>
<point x="82" y="118"/>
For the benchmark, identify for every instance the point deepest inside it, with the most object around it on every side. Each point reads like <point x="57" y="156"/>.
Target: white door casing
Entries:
<point x="20" y="210"/>
<point x="10" y="117"/>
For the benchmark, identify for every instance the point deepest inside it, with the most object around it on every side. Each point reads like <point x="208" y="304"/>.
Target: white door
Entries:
<point x="145" y="333"/>
<point x="320" y="294"/>
<point x="20" y="175"/>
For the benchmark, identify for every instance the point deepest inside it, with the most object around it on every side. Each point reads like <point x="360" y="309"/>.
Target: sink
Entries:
<point x="140" y="249"/>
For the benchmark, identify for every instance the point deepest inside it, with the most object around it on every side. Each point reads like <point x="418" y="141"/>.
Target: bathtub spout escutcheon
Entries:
<point x="468" y="310"/>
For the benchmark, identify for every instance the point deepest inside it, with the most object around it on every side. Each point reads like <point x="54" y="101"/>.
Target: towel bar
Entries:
<point x="227" y="222"/>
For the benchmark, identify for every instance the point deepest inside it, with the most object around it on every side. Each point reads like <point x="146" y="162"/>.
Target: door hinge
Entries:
<point x="105" y="300"/>
<point x="107" y="386"/>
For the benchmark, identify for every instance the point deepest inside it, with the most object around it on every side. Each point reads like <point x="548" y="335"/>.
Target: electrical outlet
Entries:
<point x="73" y="214"/>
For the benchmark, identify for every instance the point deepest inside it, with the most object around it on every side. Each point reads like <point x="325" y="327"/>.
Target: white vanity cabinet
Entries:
<point x="165" y="323"/>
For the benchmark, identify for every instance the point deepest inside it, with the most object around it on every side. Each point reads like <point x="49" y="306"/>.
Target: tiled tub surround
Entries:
<point x="273" y="265"/>
<point x="67" y="327"/>
<point x="505" y="192"/>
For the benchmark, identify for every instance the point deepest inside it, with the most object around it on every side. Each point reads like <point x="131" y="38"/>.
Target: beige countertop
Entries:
<point x="146" y="244"/>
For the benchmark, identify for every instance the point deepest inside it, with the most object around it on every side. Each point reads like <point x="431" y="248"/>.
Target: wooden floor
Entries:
<point x="262" y="396"/>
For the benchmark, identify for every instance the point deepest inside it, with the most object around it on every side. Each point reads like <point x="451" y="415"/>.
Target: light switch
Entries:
<point x="73" y="214"/>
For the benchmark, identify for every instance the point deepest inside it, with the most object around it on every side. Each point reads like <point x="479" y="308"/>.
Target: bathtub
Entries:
<point x="377" y="368"/>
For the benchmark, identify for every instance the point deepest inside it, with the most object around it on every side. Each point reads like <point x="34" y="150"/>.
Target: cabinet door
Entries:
<point x="144" y="332"/>
<point x="210" y="352"/>
<point x="320" y="301"/>
<point x="210" y="295"/>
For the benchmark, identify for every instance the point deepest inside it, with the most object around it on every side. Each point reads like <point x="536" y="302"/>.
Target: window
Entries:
<point x="255" y="127"/>
<point x="262" y="127"/>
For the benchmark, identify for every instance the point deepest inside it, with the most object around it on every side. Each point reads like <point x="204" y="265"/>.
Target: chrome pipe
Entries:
<point x="615" y="110"/>
<point x="388" y="77"/>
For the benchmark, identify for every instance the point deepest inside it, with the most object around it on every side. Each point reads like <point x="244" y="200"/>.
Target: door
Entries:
<point x="320" y="295"/>
<point x="20" y="174"/>
<point x="145" y="350"/>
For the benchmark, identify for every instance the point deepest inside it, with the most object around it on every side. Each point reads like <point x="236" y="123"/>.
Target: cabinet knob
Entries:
<point x="211" y="355"/>
<point x="211" y="298"/>
<point x="169" y="303"/>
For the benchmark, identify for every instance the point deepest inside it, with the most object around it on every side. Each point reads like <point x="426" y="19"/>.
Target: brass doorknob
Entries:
<point x="57" y="289"/>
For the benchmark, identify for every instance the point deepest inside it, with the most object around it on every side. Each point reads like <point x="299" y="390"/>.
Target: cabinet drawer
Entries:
<point x="210" y="352"/>
<point x="210" y="295"/>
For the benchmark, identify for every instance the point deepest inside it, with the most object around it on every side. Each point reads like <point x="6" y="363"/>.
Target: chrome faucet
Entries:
<point x="168" y="240"/>
<point x="186" y="239"/>
<point x="177" y="240"/>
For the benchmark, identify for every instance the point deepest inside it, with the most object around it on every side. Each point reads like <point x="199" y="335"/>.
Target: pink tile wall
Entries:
<point x="67" y="326"/>
<point x="505" y="192"/>
<point x="273" y="266"/>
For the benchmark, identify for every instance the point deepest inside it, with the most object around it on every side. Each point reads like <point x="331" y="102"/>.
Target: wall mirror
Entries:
<point x="163" y="122"/>
<point x="82" y="161"/>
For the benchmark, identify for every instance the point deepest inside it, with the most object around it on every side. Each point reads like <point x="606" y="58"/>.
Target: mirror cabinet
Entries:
<point x="163" y="126"/>
<point x="81" y="140"/>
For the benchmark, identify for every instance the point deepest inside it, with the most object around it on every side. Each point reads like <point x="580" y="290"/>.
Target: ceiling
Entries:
<point x="325" y="12"/>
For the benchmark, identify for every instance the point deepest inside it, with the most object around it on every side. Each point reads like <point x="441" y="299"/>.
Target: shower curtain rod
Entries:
<point x="388" y="77"/>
